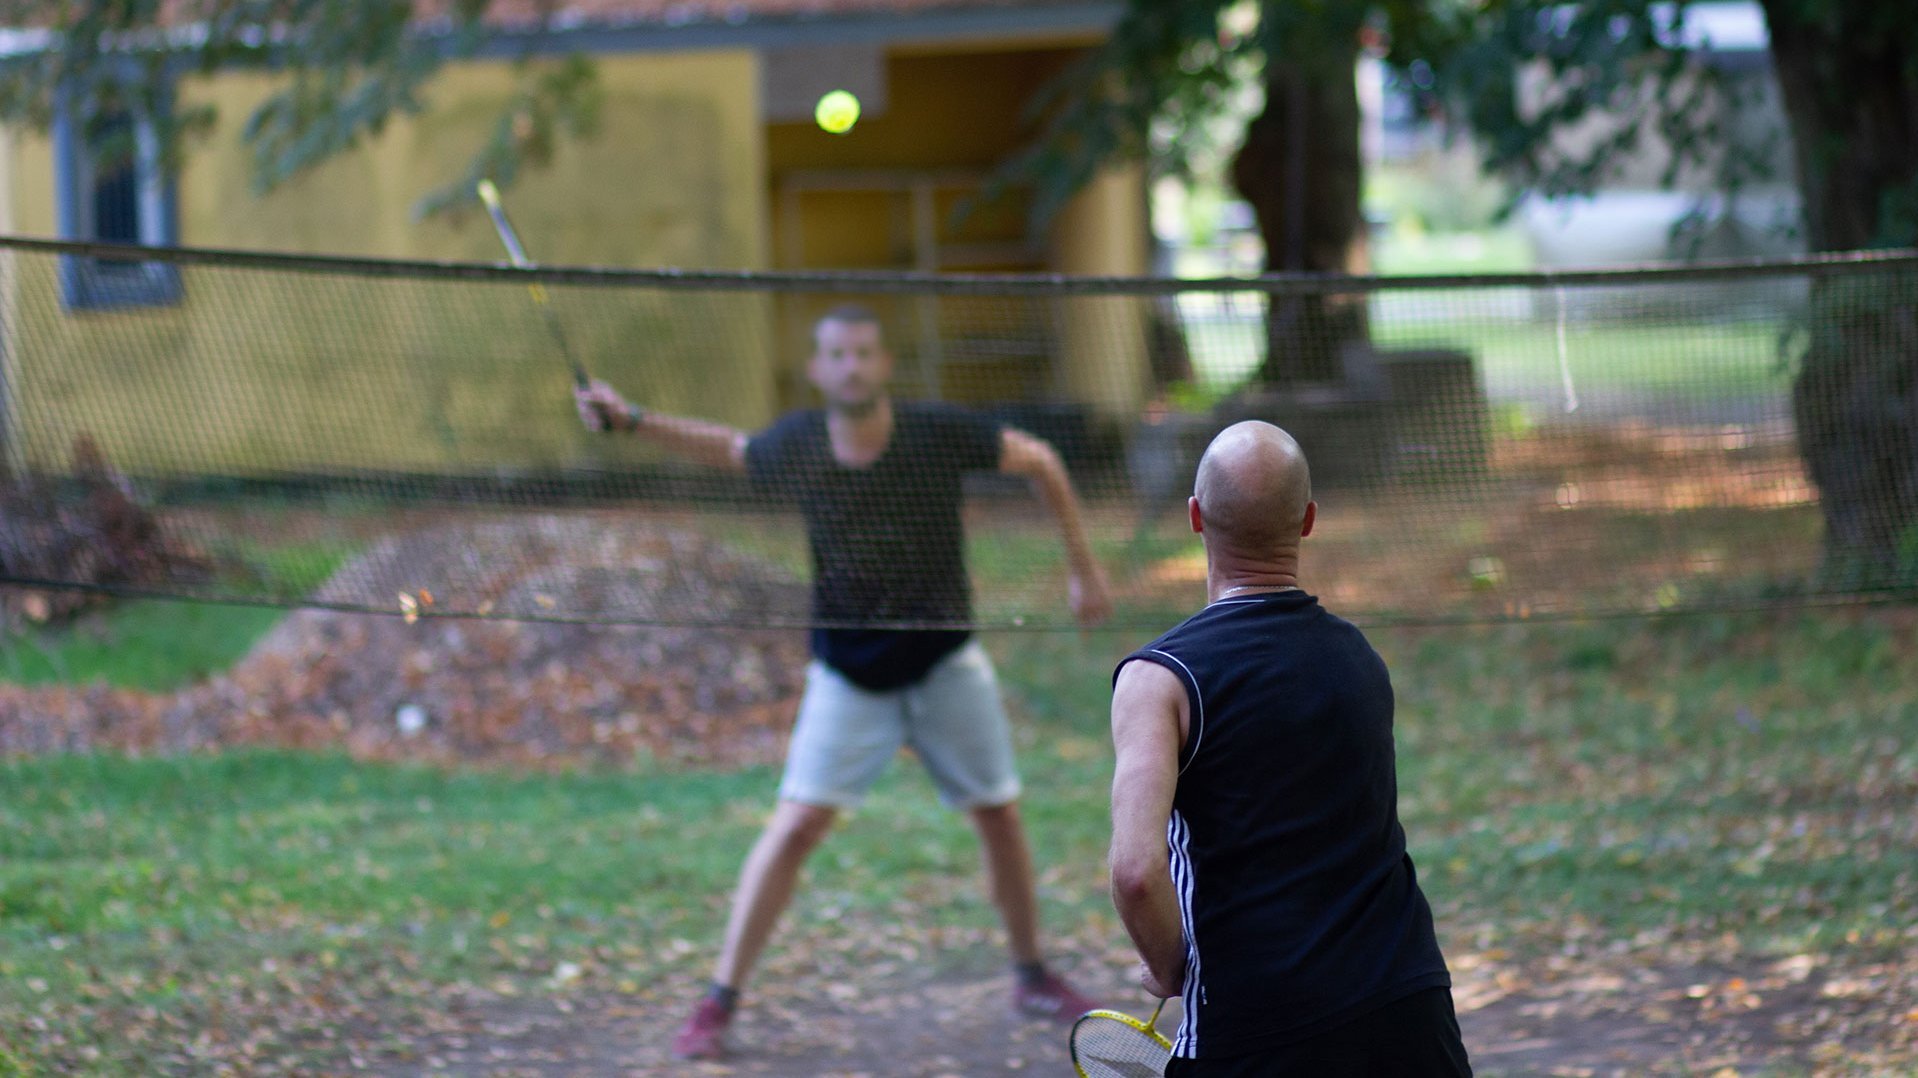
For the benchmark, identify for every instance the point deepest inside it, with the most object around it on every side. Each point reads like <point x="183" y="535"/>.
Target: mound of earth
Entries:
<point x="485" y="690"/>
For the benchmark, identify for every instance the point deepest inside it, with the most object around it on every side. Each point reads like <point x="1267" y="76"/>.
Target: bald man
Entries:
<point x="1257" y="857"/>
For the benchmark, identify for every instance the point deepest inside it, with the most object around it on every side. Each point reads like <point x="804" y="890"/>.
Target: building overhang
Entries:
<point x="946" y="26"/>
<point x="954" y="26"/>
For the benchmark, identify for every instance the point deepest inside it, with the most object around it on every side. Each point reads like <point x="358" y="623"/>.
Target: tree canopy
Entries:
<point x="1621" y="73"/>
<point x="1171" y="64"/>
<point x="343" y="69"/>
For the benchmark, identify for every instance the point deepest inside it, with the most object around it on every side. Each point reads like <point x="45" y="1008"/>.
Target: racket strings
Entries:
<point x="1109" y="1047"/>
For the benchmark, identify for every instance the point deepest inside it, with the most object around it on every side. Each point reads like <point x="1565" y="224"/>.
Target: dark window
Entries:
<point x="112" y="189"/>
<point x="116" y="179"/>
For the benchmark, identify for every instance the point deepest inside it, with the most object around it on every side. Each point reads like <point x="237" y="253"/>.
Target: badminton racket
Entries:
<point x="1112" y="1044"/>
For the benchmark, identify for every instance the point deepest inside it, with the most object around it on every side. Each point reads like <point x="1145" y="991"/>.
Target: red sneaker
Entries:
<point x="1051" y="998"/>
<point x="704" y="1034"/>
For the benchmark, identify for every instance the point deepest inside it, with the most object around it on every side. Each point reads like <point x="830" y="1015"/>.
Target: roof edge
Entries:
<point x="673" y="33"/>
<point x="1083" y="17"/>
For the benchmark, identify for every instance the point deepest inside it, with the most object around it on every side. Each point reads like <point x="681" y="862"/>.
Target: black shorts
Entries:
<point x="1415" y="1037"/>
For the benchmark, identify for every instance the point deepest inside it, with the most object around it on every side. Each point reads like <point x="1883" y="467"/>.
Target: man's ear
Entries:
<point x="1311" y="514"/>
<point x="1192" y="512"/>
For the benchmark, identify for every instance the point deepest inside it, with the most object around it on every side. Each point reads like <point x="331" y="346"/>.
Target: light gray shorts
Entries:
<point x="952" y="718"/>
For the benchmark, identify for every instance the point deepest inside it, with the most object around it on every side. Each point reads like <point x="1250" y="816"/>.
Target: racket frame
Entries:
<point x="1149" y="1027"/>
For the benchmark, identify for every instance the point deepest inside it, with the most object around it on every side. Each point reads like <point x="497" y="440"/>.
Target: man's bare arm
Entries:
<point x="1148" y="727"/>
<point x="702" y="441"/>
<point x="1022" y="454"/>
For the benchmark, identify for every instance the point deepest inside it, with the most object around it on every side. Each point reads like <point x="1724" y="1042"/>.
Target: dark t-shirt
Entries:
<point x="1301" y="905"/>
<point x="888" y="546"/>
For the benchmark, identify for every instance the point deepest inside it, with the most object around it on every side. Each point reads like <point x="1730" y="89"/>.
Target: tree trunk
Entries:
<point x="1300" y="170"/>
<point x="1851" y="93"/>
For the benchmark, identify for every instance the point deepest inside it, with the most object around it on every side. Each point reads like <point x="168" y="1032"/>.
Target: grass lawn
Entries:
<point x="1518" y="359"/>
<point x="1404" y="253"/>
<point x="1699" y="360"/>
<point x="1656" y="791"/>
<point x="139" y="644"/>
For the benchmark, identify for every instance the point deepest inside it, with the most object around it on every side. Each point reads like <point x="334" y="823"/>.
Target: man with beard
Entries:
<point x="879" y="483"/>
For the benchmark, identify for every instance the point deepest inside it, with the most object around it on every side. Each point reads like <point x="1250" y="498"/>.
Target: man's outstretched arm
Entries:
<point x="1024" y="455"/>
<point x="1148" y="727"/>
<point x="702" y="441"/>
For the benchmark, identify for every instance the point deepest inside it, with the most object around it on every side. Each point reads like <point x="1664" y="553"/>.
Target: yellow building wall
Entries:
<point x="949" y="115"/>
<point x="1103" y="359"/>
<point x="257" y="372"/>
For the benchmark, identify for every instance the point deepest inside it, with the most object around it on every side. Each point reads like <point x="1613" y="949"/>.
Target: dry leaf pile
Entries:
<point x="90" y="531"/>
<point x="435" y="688"/>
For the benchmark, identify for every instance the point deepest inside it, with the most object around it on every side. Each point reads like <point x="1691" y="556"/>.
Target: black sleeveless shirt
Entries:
<point x="1301" y="907"/>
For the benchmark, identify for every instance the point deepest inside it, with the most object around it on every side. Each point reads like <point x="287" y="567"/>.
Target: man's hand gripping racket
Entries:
<point x="1112" y="1044"/>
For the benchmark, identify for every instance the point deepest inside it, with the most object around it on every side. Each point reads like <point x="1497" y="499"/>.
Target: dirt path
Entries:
<point x="1677" y="1020"/>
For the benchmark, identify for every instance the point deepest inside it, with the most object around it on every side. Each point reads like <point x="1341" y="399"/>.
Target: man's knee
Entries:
<point x="797" y="828"/>
<point x="997" y="820"/>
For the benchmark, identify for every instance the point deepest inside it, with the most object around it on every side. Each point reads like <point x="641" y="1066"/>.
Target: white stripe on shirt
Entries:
<point x="1179" y="841"/>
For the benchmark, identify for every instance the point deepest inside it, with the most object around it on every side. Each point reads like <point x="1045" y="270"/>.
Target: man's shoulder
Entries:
<point x="941" y="413"/>
<point x="915" y="407"/>
<point x="799" y="418"/>
<point x="1287" y="612"/>
<point x="1327" y="622"/>
<point x="789" y="442"/>
<point x="1166" y="645"/>
<point x="798" y="423"/>
<point x="947" y="437"/>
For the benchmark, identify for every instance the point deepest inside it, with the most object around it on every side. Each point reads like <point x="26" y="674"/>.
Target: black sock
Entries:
<point x="724" y="996"/>
<point x="1030" y="974"/>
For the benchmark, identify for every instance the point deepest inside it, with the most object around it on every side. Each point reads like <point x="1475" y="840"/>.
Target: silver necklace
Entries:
<point x="1248" y="587"/>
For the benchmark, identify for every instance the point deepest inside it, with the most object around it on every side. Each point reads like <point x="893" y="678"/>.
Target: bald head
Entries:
<point x="1253" y="488"/>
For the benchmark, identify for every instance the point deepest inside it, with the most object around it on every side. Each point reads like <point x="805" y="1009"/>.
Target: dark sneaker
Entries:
<point x="1051" y="998"/>
<point x="704" y="1034"/>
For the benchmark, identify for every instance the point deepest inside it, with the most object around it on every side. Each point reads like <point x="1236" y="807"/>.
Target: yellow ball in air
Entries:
<point x="837" y="112"/>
